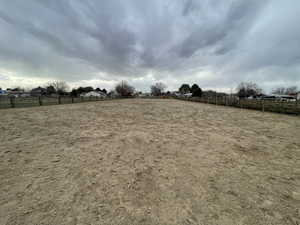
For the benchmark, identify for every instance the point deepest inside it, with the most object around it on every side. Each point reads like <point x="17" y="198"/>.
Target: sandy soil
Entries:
<point x="148" y="162"/>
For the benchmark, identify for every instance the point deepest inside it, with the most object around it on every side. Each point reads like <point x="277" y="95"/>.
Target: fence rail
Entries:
<point x="262" y="105"/>
<point x="20" y="102"/>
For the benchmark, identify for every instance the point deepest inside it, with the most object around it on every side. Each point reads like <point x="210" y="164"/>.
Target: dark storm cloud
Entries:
<point x="224" y="32"/>
<point x="69" y="31"/>
<point x="215" y="43"/>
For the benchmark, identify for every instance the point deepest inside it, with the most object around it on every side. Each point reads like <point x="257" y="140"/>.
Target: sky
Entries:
<point x="214" y="43"/>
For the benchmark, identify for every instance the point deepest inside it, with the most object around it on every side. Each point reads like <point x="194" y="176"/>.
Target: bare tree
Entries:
<point x="158" y="89"/>
<point x="247" y="89"/>
<point x="279" y="91"/>
<point x="124" y="89"/>
<point x="291" y="90"/>
<point x="60" y="87"/>
<point x="285" y="91"/>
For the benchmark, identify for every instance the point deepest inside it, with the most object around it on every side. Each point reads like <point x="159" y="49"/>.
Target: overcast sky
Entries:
<point x="214" y="43"/>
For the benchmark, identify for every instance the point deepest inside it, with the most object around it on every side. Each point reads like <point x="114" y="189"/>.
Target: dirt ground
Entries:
<point x="140" y="161"/>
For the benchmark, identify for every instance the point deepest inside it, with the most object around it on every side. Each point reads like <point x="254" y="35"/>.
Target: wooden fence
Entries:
<point x="262" y="105"/>
<point x="19" y="102"/>
<point x="287" y="107"/>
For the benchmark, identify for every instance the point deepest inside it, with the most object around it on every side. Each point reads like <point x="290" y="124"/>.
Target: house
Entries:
<point x="187" y="95"/>
<point x="177" y="94"/>
<point x="257" y="97"/>
<point x="276" y="97"/>
<point x="15" y="93"/>
<point x="140" y="95"/>
<point x="39" y="91"/>
<point x="25" y="94"/>
<point x="3" y="92"/>
<point x="295" y="95"/>
<point x="113" y="94"/>
<point x="93" y="94"/>
<point x="269" y="97"/>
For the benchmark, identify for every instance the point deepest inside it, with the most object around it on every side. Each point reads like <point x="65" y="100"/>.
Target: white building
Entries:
<point x="94" y="94"/>
<point x="287" y="98"/>
<point x="188" y="95"/>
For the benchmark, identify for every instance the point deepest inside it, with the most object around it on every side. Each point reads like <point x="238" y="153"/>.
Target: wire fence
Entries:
<point x="287" y="107"/>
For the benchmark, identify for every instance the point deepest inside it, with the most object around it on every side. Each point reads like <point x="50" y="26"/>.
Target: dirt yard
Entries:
<point x="148" y="162"/>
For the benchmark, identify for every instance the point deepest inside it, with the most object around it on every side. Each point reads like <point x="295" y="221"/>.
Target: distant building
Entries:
<point x="187" y="95"/>
<point x="113" y="94"/>
<point x="176" y="94"/>
<point x="39" y="91"/>
<point x="259" y="96"/>
<point x="15" y="93"/>
<point x="276" y="97"/>
<point x="143" y="95"/>
<point x="93" y="94"/>
<point x="25" y="94"/>
<point x="296" y="95"/>
<point x="3" y="92"/>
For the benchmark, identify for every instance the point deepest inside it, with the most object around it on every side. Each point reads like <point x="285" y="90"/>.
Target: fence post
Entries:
<point x="263" y="105"/>
<point x="59" y="99"/>
<point x="12" y="101"/>
<point x="72" y="99"/>
<point x="40" y="101"/>
<point x="216" y="98"/>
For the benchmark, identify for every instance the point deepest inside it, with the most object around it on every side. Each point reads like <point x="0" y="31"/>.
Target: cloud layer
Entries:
<point x="214" y="43"/>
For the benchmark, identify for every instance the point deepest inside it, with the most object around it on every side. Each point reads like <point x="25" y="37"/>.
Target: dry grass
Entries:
<point x="148" y="162"/>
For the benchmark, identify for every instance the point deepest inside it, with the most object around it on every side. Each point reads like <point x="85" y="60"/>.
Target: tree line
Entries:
<point x="158" y="89"/>
<point x="124" y="89"/>
<point x="248" y="89"/>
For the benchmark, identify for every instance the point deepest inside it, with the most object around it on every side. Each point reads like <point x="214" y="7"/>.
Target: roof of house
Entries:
<point x="38" y="89"/>
<point x="96" y="93"/>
